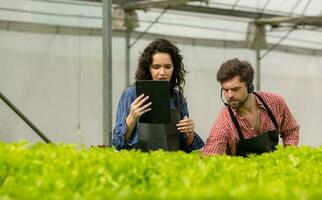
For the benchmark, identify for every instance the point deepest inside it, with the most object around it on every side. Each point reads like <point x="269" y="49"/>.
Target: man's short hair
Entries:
<point x="235" y="67"/>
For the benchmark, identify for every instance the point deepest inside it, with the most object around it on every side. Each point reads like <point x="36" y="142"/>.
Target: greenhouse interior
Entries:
<point x="65" y="64"/>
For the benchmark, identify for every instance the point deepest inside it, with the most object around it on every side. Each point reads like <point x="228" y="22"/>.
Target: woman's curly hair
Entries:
<point x="161" y="45"/>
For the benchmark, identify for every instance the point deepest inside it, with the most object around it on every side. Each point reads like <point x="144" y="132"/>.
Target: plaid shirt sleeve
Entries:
<point x="289" y="128"/>
<point x="217" y="141"/>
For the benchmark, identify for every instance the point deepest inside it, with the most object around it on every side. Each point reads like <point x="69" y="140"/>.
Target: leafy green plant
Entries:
<point x="64" y="171"/>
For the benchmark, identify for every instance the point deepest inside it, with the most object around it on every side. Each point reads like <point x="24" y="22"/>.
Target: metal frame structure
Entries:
<point x="259" y="19"/>
<point x="181" y="5"/>
<point x="107" y="72"/>
<point x="295" y="23"/>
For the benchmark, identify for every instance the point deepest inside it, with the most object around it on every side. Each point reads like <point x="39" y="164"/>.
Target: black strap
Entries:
<point x="268" y="110"/>
<point x="235" y="121"/>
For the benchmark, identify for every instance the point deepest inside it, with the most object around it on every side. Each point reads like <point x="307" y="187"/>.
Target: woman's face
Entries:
<point x="161" y="67"/>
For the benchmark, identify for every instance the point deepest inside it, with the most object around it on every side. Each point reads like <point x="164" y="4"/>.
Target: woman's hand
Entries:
<point x="136" y="111"/>
<point x="187" y="125"/>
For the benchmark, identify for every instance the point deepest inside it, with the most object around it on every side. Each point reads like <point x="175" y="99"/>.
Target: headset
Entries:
<point x="226" y="104"/>
<point x="250" y="88"/>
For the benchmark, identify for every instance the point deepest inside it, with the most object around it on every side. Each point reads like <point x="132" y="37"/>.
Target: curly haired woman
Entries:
<point x="160" y="60"/>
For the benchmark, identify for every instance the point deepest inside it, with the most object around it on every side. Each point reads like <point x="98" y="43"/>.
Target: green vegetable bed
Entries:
<point x="63" y="171"/>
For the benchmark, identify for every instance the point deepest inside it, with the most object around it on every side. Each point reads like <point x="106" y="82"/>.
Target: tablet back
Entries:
<point x="159" y="95"/>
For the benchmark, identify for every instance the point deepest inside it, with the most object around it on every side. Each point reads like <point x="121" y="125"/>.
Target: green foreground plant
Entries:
<point x="64" y="171"/>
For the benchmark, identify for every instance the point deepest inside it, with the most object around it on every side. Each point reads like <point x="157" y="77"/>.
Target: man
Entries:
<point x="251" y="122"/>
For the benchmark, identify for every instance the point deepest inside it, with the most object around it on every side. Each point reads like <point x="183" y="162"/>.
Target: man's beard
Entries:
<point x="236" y="104"/>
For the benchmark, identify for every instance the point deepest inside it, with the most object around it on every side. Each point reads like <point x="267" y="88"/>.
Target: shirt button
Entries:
<point x="252" y="128"/>
<point x="241" y="118"/>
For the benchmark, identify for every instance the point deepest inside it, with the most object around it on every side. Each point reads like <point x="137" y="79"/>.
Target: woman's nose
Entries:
<point x="161" y="70"/>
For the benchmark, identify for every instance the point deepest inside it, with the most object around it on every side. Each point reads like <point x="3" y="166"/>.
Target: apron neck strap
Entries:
<point x="269" y="112"/>
<point x="235" y="121"/>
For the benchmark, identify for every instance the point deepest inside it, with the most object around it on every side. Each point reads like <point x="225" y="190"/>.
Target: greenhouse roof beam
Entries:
<point x="291" y="21"/>
<point x="124" y="1"/>
<point x="222" y="11"/>
<point x="161" y="4"/>
<point x="87" y="31"/>
<point x="202" y="9"/>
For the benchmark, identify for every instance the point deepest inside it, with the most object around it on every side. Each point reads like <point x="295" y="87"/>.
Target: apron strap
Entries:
<point x="269" y="112"/>
<point x="235" y="121"/>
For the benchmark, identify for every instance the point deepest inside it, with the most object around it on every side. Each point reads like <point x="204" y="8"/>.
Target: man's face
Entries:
<point x="235" y="92"/>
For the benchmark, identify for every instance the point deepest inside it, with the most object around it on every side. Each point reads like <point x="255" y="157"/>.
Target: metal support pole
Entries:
<point x="258" y="72"/>
<point x="107" y="72"/>
<point x="24" y="118"/>
<point x="127" y="49"/>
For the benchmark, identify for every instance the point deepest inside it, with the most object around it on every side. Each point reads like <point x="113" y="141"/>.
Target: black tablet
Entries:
<point x="159" y="95"/>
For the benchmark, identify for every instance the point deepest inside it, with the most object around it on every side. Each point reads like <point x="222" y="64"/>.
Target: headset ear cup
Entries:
<point x="250" y="88"/>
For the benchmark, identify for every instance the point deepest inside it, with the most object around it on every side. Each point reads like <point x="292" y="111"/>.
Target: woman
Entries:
<point x="160" y="60"/>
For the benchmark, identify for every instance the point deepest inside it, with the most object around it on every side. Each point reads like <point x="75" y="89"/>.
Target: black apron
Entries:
<point x="265" y="142"/>
<point x="159" y="136"/>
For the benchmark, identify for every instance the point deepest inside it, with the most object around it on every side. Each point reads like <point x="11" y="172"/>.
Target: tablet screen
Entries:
<point x="159" y="95"/>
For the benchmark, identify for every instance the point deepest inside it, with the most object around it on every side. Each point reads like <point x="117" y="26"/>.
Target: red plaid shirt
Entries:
<point x="224" y="138"/>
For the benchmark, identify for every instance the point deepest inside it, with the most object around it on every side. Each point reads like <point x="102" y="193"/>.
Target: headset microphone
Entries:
<point x="226" y="104"/>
